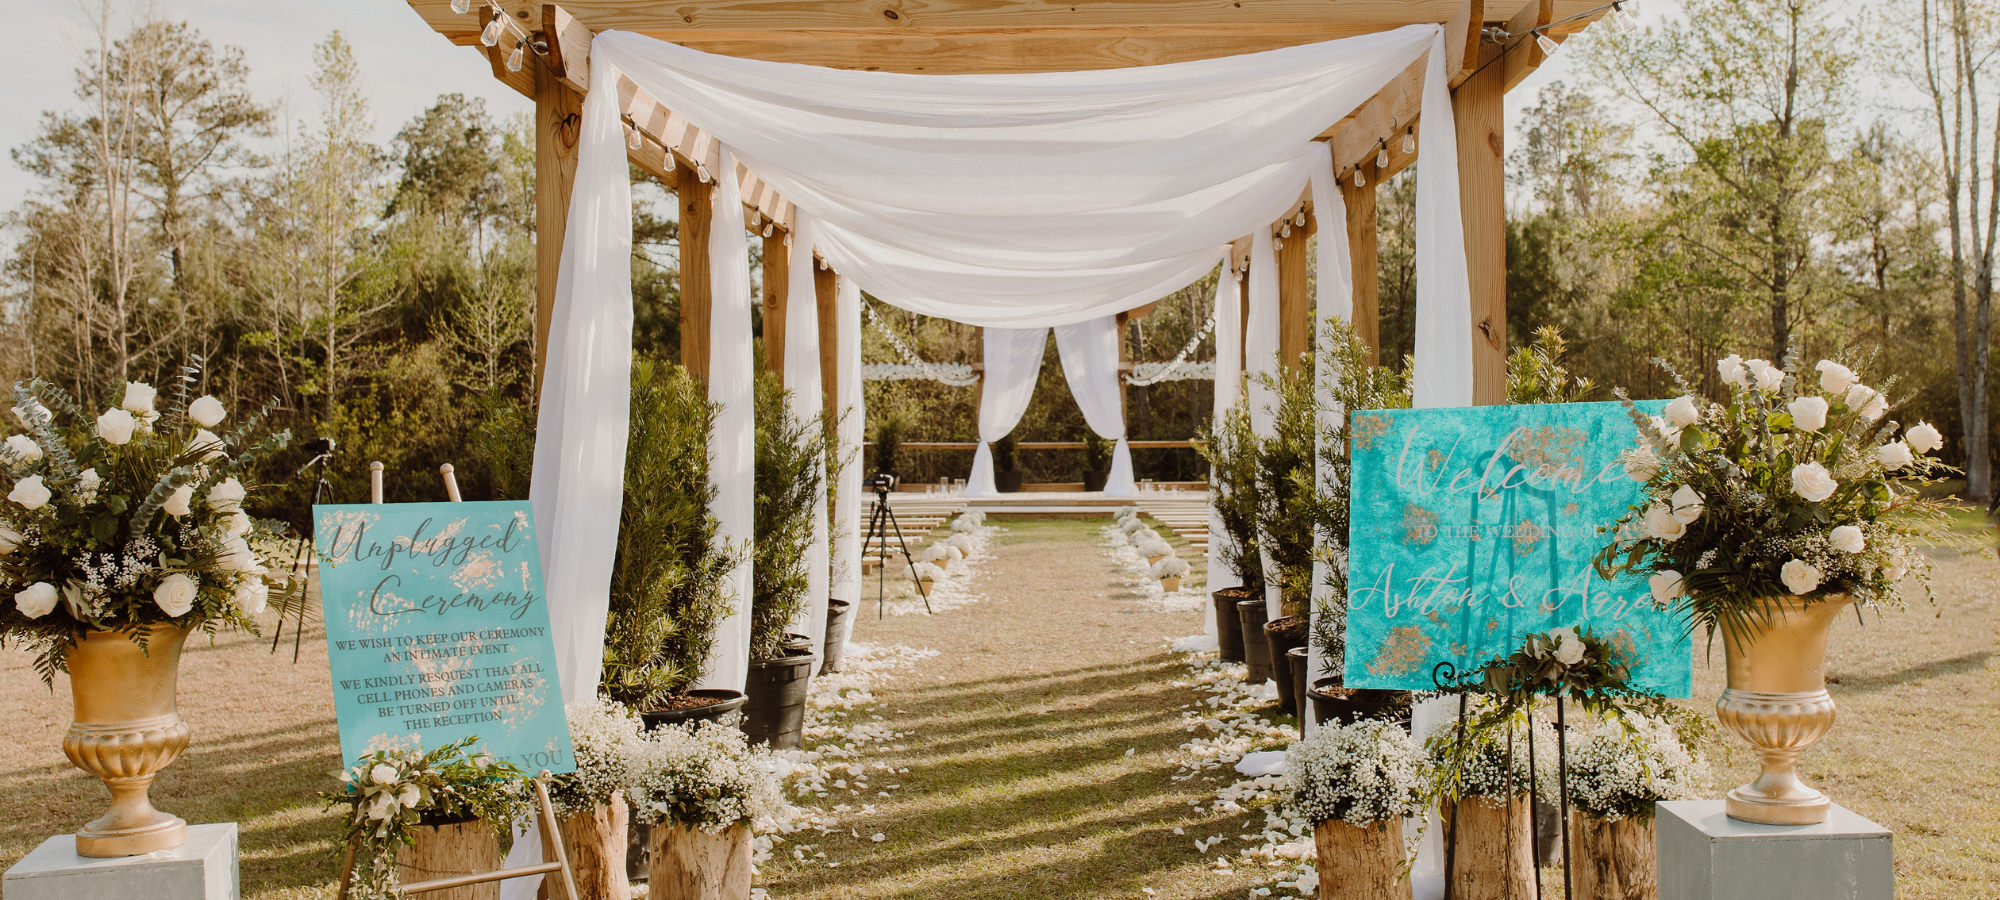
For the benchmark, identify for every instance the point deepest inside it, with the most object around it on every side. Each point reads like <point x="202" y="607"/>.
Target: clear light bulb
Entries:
<point x="632" y="138"/>
<point x="1360" y="180"/>
<point x="1548" y="44"/>
<point x="494" y="28"/>
<point x="1409" y="140"/>
<point x="1285" y="230"/>
<point x="1300" y="219"/>
<point x="1623" y="18"/>
<point x="515" y="57"/>
<point x="461" y="6"/>
<point x="1382" y="156"/>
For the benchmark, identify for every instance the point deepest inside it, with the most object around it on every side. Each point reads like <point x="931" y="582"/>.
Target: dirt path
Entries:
<point x="1041" y="744"/>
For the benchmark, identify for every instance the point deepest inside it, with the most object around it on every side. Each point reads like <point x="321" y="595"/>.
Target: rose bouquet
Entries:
<point x="1799" y="485"/>
<point x="129" y="519"/>
<point x="390" y="792"/>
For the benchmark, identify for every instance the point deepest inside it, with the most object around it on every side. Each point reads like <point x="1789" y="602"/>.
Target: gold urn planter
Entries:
<point x="1777" y="701"/>
<point x="126" y="729"/>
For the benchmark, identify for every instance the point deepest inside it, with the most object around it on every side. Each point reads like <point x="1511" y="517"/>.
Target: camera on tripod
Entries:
<point x="883" y="482"/>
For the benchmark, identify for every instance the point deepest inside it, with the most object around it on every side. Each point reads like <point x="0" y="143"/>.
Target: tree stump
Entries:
<point x="444" y="851"/>
<point x="691" y="864"/>
<point x="1615" y="860"/>
<point x="595" y="842"/>
<point x="1358" y="862"/>
<point x="1495" y="856"/>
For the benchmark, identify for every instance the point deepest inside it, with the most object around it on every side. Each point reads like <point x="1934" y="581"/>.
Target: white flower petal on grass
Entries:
<point x="1813" y="482"/>
<point x="1799" y="576"/>
<point x="1847" y="539"/>
<point x="30" y="493"/>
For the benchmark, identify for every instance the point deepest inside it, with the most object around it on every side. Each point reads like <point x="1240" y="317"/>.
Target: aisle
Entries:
<point x="1041" y="745"/>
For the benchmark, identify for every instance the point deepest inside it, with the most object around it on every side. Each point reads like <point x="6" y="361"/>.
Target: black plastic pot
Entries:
<point x="776" y="711"/>
<point x="835" y="648"/>
<point x="728" y="701"/>
<point x="1300" y="660"/>
<point x="1365" y="704"/>
<point x="1228" y="628"/>
<point x="1256" y="650"/>
<point x="1093" y="480"/>
<point x="1007" y="482"/>
<point x="1282" y="642"/>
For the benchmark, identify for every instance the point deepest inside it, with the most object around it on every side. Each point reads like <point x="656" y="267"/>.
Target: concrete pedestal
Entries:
<point x="204" y="868"/>
<point x="1705" y="855"/>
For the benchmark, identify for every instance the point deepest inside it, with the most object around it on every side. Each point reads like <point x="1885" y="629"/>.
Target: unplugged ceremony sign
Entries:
<point x="1474" y="526"/>
<point x="437" y="629"/>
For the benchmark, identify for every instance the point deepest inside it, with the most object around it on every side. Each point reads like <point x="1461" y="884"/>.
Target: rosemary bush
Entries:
<point x="1231" y="451"/>
<point x="790" y="460"/>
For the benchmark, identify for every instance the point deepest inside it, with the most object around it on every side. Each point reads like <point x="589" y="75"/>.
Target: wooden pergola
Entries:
<point x="542" y="50"/>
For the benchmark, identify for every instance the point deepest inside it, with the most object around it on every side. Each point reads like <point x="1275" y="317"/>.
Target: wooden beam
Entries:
<point x="777" y="275"/>
<point x="1479" y="109"/>
<point x="1384" y="117"/>
<point x="1294" y="301"/>
<point x="697" y="202"/>
<point x="1524" y="53"/>
<point x="826" y="292"/>
<point x="1362" y="249"/>
<point x="1461" y="41"/>
<point x="558" y="115"/>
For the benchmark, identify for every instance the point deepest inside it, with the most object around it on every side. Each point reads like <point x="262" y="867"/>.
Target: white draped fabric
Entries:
<point x="1260" y="362"/>
<point x="1013" y="361"/>
<point x="1089" y="352"/>
<point x="732" y="446"/>
<point x="1336" y="301"/>
<point x="847" y="501"/>
<point x="807" y="402"/>
<point x="1228" y="389"/>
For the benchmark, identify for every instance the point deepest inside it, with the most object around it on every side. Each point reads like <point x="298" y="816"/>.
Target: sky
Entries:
<point x="405" y="64"/>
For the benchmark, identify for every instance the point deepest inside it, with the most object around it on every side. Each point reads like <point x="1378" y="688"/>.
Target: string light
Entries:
<point x="1548" y="44"/>
<point x="494" y="28"/>
<point x="1382" y="154"/>
<point x="1285" y="230"/>
<point x="1300" y="219"/>
<point x="1360" y="180"/>
<point x="631" y="135"/>
<point x="1410" y="140"/>
<point x="1623" y="18"/>
<point x="518" y="54"/>
<point x="461" y="6"/>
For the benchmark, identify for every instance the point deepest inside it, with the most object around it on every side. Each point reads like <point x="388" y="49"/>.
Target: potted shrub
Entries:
<point x="1231" y="451"/>
<point x="927" y="574"/>
<point x="1356" y="783"/>
<point x="890" y="427"/>
<point x="1006" y="465"/>
<point x="590" y="807"/>
<point x="702" y="788"/>
<point x="1096" y="461"/>
<point x="788" y="473"/>
<point x="1169" y="570"/>
<point x="413" y="816"/>
<point x="1765" y="518"/>
<point x="1283" y="635"/>
<point x="1286" y="492"/>
<point x="666" y="596"/>
<point x="120" y="535"/>
<point x="1618" y="769"/>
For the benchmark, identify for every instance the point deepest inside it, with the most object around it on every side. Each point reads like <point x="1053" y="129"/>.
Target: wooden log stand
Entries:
<point x="1494" y="859"/>
<point x="1358" y="862"/>
<point x="1615" y="860"/>
<point x="554" y="861"/>
<point x="450" y="850"/>
<point x="596" y="843"/>
<point x="691" y="864"/>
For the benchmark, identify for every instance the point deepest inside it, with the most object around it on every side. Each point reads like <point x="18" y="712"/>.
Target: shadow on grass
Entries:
<point x="1937" y="668"/>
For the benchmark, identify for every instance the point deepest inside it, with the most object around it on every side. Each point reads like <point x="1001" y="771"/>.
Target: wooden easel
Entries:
<point x="554" y="858"/>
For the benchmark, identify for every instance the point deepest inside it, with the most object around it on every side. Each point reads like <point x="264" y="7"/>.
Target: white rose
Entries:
<point x="1867" y="401"/>
<point x="1923" y="437"/>
<point x="38" y="600"/>
<point x="207" y="444"/>
<point x="1808" y="413"/>
<point x="1894" y="455"/>
<point x="30" y="411"/>
<point x="87" y="483"/>
<point x="409" y="796"/>
<point x="236" y="555"/>
<point x="207" y="412"/>
<point x="1687" y="504"/>
<point x="226" y="495"/>
<point x="30" y="492"/>
<point x="176" y="594"/>
<point x="1660" y="523"/>
<point x="1665" y="585"/>
<point x="24" y="447"/>
<point x="381" y="806"/>
<point x="177" y="503"/>
<point x="1799" y="576"/>
<point x="1768" y="377"/>
<point x="1569" y="651"/>
<point x="116" y="426"/>
<point x="1834" y="377"/>
<point x="1684" y="411"/>
<point x="383" y="773"/>
<point x="1813" y="482"/>
<point x="1641" y="464"/>
<point x="10" y="540"/>
<point x="238" y="523"/>
<point x="252" y="595"/>
<point x="1731" y="369"/>
<point x="1848" y="539"/>
<point x="138" y="397"/>
<point x="1668" y="430"/>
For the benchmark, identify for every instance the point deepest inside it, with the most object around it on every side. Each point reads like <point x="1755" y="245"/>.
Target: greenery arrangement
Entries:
<point x="1797" y="486"/>
<point x="1286" y="493"/>
<point x="666" y="596"/>
<point x="1231" y="450"/>
<point x="1359" y="773"/>
<point x="1096" y="452"/>
<point x="1562" y="662"/>
<point x="388" y="794"/>
<point x="1487" y="757"/>
<point x="703" y="775"/>
<point x="890" y="426"/>
<point x="1005" y="454"/>
<point x="128" y="519"/>
<point x="789" y="471"/>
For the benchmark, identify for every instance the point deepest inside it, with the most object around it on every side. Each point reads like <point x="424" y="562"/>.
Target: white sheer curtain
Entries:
<point x="1013" y="362"/>
<point x="1228" y="388"/>
<point x="1334" y="299"/>
<point x="847" y="503"/>
<point x="1089" y="352"/>
<point x="807" y="402"/>
<point x="731" y="446"/>
<point x="1260" y="361"/>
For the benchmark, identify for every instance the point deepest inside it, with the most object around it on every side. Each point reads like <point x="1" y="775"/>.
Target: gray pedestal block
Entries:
<point x="204" y="868"/>
<point x="1705" y="855"/>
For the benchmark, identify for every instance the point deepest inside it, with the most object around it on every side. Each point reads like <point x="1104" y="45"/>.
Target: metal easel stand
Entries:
<point x="324" y="448"/>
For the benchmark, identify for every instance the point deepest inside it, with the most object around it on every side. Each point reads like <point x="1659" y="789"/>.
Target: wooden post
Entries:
<point x="777" y="276"/>
<point x="1494" y="859"/>
<point x="1124" y="356"/>
<point x="691" y="864"/>
<point x="595" y="843"/>
<point x="1243" y="325"/>
<point x="1479" y="109"/>
<point x="826" y="284"/>
<point x="445" y="851"/>
<point x="558" y="114"/>
<point x="1615" y="860"/>
<point x="1294" y="300"/>
<point x="697" y="199"/>
<point x="1362" y="244"/>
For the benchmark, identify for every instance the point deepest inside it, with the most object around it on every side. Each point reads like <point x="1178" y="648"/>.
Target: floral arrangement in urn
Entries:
<point x="128" y="519"/>
<point x="389" y="793"/>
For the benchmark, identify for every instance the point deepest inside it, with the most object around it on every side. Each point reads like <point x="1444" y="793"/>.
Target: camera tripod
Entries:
<point x="880" y="522"/>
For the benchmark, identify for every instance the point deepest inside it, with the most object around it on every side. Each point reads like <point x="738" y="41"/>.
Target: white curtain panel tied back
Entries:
<point x="1013" y="360"/>
<point x="1089" y="351"/>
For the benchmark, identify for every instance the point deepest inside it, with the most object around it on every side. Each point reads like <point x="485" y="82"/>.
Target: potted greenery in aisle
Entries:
<point x="788" y="473"/>
<point x="1619" y="768"/>
<point x="413" y="816"/>
<point x="701" y="788"/>
<point x="1356" y="783"/>
<point x="666" y="585"/>
<point x="1007" y="465"/>
<point x="1765" y="518"/>
<point x="1169" y="570"/>
<point x="1286" y="500"/>
<point x="1096" y="461"/>
<point x="1231" y="451"/>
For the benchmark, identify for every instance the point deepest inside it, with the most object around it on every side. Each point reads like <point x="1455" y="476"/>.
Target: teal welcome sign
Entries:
<point x="437" y="629"/>
<point x="1473" y="526"/>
